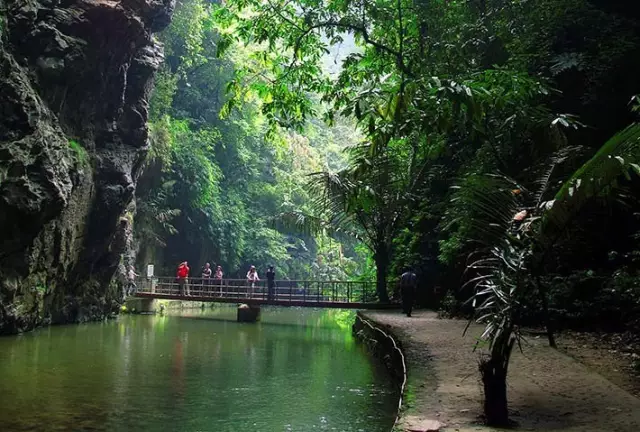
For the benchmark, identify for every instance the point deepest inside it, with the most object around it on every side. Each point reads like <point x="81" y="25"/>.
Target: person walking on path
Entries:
<point x="252" y="278"/>
<point x="206" y="278"/>
<point x="408" y="282"/>
<point x="131" y="281"/>
<point x="271" y="282"/>
<point x="218" y="278"/>
<point x="183" y="278"/>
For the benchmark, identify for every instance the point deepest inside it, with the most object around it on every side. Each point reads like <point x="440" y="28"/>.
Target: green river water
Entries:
<point x="296" y="370"/>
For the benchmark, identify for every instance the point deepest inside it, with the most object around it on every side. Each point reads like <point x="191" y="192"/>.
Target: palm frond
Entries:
<point x="497" y="289"/>
<point x="598" y="177"/>
<point x="544" y="180"/>
<point x="299" y="222"/>
<point x="486" y="204"/>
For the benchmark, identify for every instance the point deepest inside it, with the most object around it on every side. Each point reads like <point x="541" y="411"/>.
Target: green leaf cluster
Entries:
<point x="216" y="176"/>
<point x="482" y="125"/>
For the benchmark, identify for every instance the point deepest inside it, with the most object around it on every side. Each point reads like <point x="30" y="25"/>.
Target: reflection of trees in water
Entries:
<point x="48" y="374"/>
<point x="250" y="338"/>
<point x="177" y="376"/>
<point x="122" y="372"/>
<point x="343" y="318"/>
<point x="289" y="343"/>
<point x="176" y="370"/>
<point x="269" y="357"/>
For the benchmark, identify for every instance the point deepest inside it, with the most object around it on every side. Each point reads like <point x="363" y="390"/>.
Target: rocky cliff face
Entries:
<point x="75" y="76"/>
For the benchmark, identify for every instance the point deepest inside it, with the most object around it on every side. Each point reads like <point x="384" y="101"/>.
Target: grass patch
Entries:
<point x="79" y="152"/>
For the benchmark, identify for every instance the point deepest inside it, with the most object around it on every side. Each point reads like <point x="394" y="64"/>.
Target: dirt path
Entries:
<point x="548" y="390"/>
<point x="610" y="355"/>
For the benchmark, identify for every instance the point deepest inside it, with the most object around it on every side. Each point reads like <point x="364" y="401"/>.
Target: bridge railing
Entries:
<point x="306" y="291"/>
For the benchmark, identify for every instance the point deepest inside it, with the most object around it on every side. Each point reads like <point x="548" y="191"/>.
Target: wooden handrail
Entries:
<point x="298" y="292"/>
<point x="265" y="280"/>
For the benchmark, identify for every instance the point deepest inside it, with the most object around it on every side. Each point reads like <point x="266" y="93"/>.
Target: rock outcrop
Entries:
<point x="75" y="77"/>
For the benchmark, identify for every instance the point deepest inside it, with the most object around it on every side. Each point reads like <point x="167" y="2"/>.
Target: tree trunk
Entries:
<point x="494" y="381"/>
<point x="493" y="370"/>
<point x="382" y="267"/>
<point x="548" y="324"/>
<point x="545" y="310"/>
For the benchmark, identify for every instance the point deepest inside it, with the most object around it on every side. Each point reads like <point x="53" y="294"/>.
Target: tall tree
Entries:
<point x="214" y="181"/>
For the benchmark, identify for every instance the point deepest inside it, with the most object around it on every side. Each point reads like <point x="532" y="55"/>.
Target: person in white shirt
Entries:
<point x="131" y="281"/>
<point x="206" y="278"/>
<point x="252" y="278"/>
<point x="218" y="278"/>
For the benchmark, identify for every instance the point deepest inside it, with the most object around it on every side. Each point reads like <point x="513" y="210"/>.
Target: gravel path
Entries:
<point x="547" y="390"/>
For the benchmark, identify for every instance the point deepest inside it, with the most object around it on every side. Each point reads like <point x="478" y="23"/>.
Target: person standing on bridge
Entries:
<point x="131" y="281"/>
<point x="218" y="278"/>
<point x="408" y="282"/>
<point x="252" y="278"/>
<point x="206" y="278"/>
<point x="271" y="282"/>
<point x="183" y="276"/>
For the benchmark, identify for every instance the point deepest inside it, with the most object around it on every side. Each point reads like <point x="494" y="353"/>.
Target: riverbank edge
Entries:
<point x="386" y="347"/>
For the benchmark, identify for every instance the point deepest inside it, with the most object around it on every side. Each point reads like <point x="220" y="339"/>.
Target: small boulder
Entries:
<point x="416" y="424"/>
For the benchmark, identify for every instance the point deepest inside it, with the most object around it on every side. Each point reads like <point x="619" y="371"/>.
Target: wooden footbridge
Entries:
<point x="319" y="294"/>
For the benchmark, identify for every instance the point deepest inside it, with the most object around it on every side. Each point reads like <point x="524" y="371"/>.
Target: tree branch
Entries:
<point x="398" y="55"/>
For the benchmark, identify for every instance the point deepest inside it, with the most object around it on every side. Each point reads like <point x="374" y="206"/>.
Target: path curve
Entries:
<point x="547" y="390"/>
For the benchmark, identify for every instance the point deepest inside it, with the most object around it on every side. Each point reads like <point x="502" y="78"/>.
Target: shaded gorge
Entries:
<point x="296" y="370"/>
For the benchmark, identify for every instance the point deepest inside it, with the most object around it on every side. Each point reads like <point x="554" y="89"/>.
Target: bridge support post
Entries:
<point x="141" y="305"/>
<point x="248" y="313"/>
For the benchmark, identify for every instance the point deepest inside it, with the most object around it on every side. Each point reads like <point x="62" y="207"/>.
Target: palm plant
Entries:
<point x="503" y="278"/>
<point x="512" y="242"/>
<point x="368" y="200"/>
<point x="599" y="177"/>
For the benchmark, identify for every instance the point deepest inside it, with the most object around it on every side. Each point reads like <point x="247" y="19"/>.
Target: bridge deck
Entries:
<point x="274" y="302"/>
<point x="321" y="294"/>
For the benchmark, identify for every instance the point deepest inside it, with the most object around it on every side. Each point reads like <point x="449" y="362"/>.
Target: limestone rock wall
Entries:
<point x="75" y="76"/>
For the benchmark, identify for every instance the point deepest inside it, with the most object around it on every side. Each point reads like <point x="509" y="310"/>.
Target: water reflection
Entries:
<point x="298" y="370"/>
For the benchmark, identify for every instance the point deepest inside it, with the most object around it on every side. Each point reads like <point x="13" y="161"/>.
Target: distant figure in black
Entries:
<point x="408" y="282"/>
<point x="271" y="282"/>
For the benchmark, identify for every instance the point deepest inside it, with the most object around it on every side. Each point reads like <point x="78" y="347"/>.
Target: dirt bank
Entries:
<point x="548" y="390"/>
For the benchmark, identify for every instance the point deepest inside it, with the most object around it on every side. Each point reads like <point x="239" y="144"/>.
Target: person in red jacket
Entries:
<point x="183" y="278"/>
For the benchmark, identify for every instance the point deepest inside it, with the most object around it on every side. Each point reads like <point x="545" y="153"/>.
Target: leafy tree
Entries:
<point x="408" y="117"/>
<point x="368" y="200"/>
<point x="213" y="176"/>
